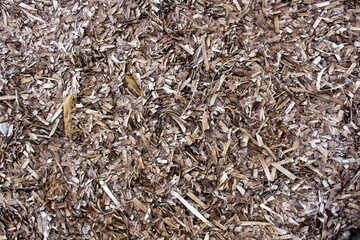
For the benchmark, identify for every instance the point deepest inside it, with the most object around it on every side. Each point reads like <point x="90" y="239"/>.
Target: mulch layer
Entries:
<point x="177" y="119"/>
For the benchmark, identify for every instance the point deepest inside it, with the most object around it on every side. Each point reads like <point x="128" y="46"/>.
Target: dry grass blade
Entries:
<point x="69" y="109"/>
<point x="133" y="87"/>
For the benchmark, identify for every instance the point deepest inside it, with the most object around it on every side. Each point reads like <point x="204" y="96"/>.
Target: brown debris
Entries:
<point x="199" y="119"/>
<point x="132" y="86"/>
<point x="69" y="108"/>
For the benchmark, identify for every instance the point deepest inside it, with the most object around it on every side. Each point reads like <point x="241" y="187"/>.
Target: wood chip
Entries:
<point x="191" y="208"/>
<point x="283" y="170"/>
<point x="108" y="192"/>
<point x="5" y="98"/>
<point x="266" y="168"/>
<point x="322" y="4"/>
<point x="203" y="50"/>
<point x="253" y="223"/>
<point x="205" y="121"/>
<point x="276" y="23"/>
<point x="139" y="205"/>
<point x="196" y="199"/>
<point x="27" y="7"/>
<point x="69" y="108"/>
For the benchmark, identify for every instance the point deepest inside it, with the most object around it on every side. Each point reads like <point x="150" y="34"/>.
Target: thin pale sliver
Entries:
<point x="109" y="193"/>
<point x="191" y="208"/>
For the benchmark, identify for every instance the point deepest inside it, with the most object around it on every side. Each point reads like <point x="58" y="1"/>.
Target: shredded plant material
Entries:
<point x="69" y="105"/>
<point x="163" y="119"/>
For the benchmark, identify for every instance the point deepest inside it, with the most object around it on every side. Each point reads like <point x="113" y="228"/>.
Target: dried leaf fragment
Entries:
<point x="133" y="87"/>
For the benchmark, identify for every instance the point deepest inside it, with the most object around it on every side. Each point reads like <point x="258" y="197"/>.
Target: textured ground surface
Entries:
<point x="179" y="120"/>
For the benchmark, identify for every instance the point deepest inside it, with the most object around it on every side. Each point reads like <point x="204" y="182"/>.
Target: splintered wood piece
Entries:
<point x="196" y="199"/>
<point x="226" y="148"/>
<point x="276" y="23"/>
<point x="203" y="49"/>
<point x="253" y="223"/>
<point x="283" y="170"/>
<point x="139" y="205"/>
<point x="109" y="193"/>
<point x="180" y="122"/>
<point x="266" y="168"/>
<point x="323" y="4"/>
<point x="252" y="139"/>
<point x="191" y="208"/>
